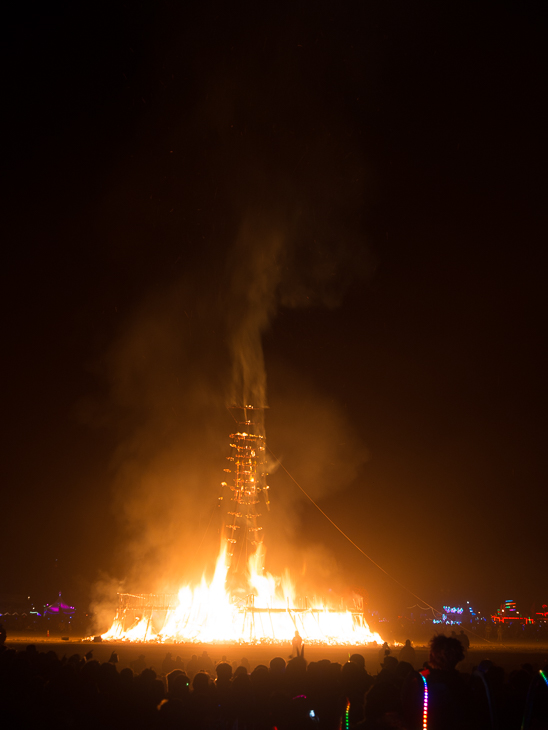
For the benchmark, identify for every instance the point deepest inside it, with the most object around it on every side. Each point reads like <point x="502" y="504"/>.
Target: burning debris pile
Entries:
<point x="243" y="602"/>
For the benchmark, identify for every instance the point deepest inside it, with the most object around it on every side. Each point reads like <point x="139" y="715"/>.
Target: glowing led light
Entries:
<point x="453" y="609"/>
<point x="347" y="716"/>
<point x="545" y="678"/>
<point x="425" y="705"/>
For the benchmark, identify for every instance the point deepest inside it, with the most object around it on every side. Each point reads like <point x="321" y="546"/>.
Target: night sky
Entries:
<point x="350" y="203"/>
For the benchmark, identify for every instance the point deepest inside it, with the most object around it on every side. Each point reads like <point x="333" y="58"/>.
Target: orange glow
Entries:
<point x="207" y="613"/>
<point x="268" y="609"/>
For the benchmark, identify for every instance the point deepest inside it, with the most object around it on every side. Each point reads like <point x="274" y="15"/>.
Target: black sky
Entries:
<point x="390" y="160"/>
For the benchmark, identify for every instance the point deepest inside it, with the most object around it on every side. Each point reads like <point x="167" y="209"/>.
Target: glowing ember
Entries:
<point x="210" y="612"/>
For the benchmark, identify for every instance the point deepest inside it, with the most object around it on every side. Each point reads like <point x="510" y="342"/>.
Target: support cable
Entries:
<point x="350" y="539"/>
<point x="473" y="633"/>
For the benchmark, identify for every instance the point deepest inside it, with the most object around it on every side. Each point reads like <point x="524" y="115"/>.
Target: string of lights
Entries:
<point x="425" y="704"/>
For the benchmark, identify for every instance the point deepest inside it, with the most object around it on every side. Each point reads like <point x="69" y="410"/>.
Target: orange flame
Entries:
<point x="207" y="613"/>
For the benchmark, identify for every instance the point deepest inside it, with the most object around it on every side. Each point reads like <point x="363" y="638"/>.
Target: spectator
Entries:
<point x="384" y="651"/>
<point x="449" y="698"/>
<point x="297" y="644"/>
<point x="407" y="653"/>
<point x="38" y="690"/>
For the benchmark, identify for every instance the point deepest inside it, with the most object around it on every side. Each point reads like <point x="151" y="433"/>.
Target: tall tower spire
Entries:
<point x="248" y="481"/>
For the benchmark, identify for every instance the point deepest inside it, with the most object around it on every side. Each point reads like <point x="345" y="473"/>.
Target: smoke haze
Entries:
<point x="191" y="193"/>
<point x="193" y="347"/>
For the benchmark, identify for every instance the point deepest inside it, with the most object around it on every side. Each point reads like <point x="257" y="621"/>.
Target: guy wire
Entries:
<point x="362" y="551"/>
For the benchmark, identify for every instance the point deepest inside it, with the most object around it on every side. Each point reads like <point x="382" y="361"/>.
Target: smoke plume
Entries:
<point x="255" y="266"/>
<point x="282" y="230"/>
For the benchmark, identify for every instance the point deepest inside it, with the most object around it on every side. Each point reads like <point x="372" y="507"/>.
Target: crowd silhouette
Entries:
<point x="40" y="690"/>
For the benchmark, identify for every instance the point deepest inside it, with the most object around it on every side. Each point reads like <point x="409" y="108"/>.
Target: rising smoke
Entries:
<point x="255" y="266"/>
<point x="285" y="234"/>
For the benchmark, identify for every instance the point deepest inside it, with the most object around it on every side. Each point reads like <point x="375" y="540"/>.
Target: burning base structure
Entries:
<point x="242" y="603"/>
<point x="150" y="617"/>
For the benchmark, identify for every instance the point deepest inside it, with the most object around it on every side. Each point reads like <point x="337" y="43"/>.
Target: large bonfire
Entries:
<point x="263" y="608"/>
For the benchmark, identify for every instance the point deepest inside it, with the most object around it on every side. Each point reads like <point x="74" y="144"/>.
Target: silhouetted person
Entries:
<point x="192" y="666"/>
<point x="177" y="685"/>
<point x="2" y="635"/>
<point x="224" y="674"/>
<point x="408" y="654"/>
<point x="464" y="640"/>
<point x="168" y="664"/>
<point x="445" y="653"/>
<point x="41" y="691"/>
<point x="383" y="699"/>
<point x="277" y="673"/>
<point x="297" y="644"/>
<point x="139" y="665"/>
<point x="201" y="702"/>
<point x="355" y="682"/>
<point x="241" y="696"/>
<point x="358" y="659"/>
<point x="172" y="714"/>
<point x="206" y="663"/>
<point x="384" y="651"/>
<point x="223" y="694"/>
<point x="449" y="698"/>
<point x="388" y="667"/>
<point x="260" y="690"/>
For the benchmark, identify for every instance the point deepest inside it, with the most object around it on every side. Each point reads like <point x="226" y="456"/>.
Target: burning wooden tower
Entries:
<point x="248" y="469"/>
<point x="242" y="601"/>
